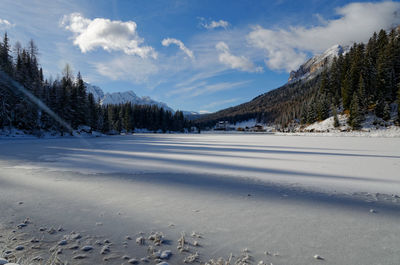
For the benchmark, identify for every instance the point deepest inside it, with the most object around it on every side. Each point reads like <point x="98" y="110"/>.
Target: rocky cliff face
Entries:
<point x="317" y="63"/>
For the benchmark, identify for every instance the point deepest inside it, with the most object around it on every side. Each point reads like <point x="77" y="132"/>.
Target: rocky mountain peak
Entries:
<point x="317" y="63"/>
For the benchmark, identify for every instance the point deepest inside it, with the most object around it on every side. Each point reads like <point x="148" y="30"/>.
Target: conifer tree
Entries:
<point x="346" y="91"/>
<point x="311" y="113"/>
<point x="362" y="94"/>
<point x="5" y="57"/>
<point x="398" y="102"/>
<point x="81" y="104"/>
<point x="92" y="116"/>
<point x="355" y="118"/>
<point x="386" y="112"/>
<point x="304" y="113"/>
<point x="379" y="108"/>
<point x="335" y="117"/>
<point x="322" y="108"/>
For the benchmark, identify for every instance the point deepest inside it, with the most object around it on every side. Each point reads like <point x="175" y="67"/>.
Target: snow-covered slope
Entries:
<point x="317" y="63"/>
<point x="372" y="126"/>
<point x="122" y="97"/>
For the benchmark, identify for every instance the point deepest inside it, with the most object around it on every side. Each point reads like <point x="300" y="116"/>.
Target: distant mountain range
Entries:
<point x="306" y="71"/>
<point x="122" y="97"/>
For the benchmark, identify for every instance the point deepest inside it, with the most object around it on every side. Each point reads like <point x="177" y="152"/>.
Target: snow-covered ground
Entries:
<point x="372" y="126"/>
<point x="285" y="199"/>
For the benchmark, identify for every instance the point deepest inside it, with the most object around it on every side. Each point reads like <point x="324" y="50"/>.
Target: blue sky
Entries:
<point x="193" y="55"/>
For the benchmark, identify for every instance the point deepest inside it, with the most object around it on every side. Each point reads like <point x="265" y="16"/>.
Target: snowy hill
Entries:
<point x="314" y="65"/>
<point x="371" y="126"/>
<point x="122" y="97"/>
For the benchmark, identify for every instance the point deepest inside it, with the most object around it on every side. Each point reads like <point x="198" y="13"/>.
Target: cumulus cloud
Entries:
<point x="168" y="41"/>
<point x="111" y="35"/>
<point x="286" y="49"/>
<point x="4" y="23"/>
<point x="216" y="24"/>
<point x="233" y="61"/>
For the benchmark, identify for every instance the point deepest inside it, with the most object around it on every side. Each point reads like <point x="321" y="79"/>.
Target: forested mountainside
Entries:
<point x="34" y="104"/>
<point x="366" y="79"/>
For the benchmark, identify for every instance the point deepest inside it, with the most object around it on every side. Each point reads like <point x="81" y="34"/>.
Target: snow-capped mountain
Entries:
<point x="122" y="97"/>
<point x="191" y="115"/>
<point x="96" y="91"/>
<point x="314" y="65"/>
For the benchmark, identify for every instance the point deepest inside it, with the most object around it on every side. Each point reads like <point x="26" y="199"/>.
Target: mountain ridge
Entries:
<point x="364" y="79"/>
<point x="116" y="98"/>
<point x="308" y="72"/>
<point x="314" y="65"/>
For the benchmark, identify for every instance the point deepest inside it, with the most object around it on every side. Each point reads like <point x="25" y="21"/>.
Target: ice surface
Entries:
<point x="290" y="197"/>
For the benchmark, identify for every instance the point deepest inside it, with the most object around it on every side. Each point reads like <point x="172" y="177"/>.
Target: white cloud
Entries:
<point x="4" y="23"/>
<point x="221" y="103"/>
<point x="235" y="62"/>
<point x="216" y="24"/>
<point x="286" y="49"/>
<point x="217" y="87"/>
<point x="186" y="89"/>
<point x="107" y="34"/>
<point x="130" y="68"/>
<point x="168" y="41"/>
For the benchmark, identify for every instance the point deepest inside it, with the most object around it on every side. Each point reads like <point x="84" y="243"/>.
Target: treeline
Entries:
<point x="67" y="98"/>
<point x="127" y="117"/>
<point x="364" y="80"/>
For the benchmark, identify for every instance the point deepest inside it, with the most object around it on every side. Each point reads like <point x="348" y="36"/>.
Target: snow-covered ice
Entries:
<point x="290" y="197"/>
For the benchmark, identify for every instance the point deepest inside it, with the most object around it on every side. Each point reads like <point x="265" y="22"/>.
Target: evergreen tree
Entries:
<point x="362" y="94"/>
<point x="398" y="102"/>
<point x="81" y="101"/>
<point x="311" y="113"/>
<point x="67" y="98"/>
<point x="379" y="108"/>
<point x="346" y="91"/>
<point x="386" y="112"/>
<point x="322" y="109"/>
<point x="355" y="118"/>
<point x="5" y="57"/>
<point x="92" y="116"/>
<point x="336" y="122"/>
<point x="304" y="113"/>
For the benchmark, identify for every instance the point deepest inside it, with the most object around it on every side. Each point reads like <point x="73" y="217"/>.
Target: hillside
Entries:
<point x="361" y="80"/>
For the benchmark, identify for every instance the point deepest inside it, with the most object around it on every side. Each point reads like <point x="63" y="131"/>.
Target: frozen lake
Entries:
<point x="292" y="196"/>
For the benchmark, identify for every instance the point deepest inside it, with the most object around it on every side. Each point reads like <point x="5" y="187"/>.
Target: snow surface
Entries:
<point x="243" y="124"/>
<point x="290" y="197"/>
<point x="372" y="126"/>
